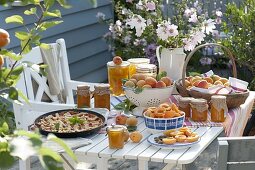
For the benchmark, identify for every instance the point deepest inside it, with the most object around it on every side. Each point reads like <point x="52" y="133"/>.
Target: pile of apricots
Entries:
<point x="205" y="82"/>
<point x="165" y="110"/>
<point x="143" y="81"/>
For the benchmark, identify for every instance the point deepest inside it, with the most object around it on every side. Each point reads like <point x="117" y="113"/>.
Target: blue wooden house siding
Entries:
<point x="87" y="51"/>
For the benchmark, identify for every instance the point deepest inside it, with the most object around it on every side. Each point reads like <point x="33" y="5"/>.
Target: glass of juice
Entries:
<point x="115" y="75"/>
<point x="116" y="136"/>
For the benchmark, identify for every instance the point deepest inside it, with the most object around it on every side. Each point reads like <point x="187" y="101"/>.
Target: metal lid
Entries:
<point x="123" y="64"/>
<point x="139" y="60"/>
<point x="198" y="101"/>
<point x="102" y="86"/>
<point x="141" y="68"/>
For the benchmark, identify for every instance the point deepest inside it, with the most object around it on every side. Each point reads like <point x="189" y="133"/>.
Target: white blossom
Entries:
<point x="127" y="39"/>
<point x="166" y="30"/>
<point x="193" y="18"/>
<point x="218" y="13"/>
<point x="100" y="15"/>
<point x="118" y="23"/>
<point x="149" y="21"/>
<point x="208" y="26"/>
<point x="130" y="1"/>
<point x="150" y="6"/>
<point x="198" y="37"/>
<point x="187" y="13"/>
<point x="139" y="5"/>
<point x="189" y="45"/>
<point x="137" y="22"/>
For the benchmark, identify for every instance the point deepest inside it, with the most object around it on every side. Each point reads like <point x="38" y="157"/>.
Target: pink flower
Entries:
<point x="166" y="30"/>
<point x="151" y="6"/>
<point x="193" y="18"/>
<point x="187" y="12"/>
<point x="189" y="45"/>
<point x="137" y="22"/>
<point x="172" y="29"/>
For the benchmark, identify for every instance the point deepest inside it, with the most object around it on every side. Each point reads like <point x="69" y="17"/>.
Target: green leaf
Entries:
<point x="27" y="134"/>
<point x="4" y="128"/>
<point x="21" y="94"/>
<point x="48" y="24"/>
<point x="31" y="11"/>
<point x="49" y="152"/>
<point x="17" y="70"/>
<point x="3" y="144"/>
<point x="94" y="3"/>
<point x="6" y="160"/>
<point x="138" y="90"/>
<point x="15" y="19"/>
<point x="45" y="46"/>
<point x="54" y="13"/>
<point x="160" y="75"/>
<point x="22" y="35"/>
<point x="25" y="46"/>
<point x="64" y="146"/>
<point x="11" y="54"/>
<point x="49" y="163"/>
<point x="13" y="93"/>
<point x="120" y="106"/>
<point x="49" y="3"/>
<point x="63" y="3"/>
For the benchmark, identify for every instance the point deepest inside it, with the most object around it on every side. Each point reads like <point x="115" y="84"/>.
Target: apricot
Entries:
<point x="196" y="83"/>
<point x="117" y="60"/>
<point x="226" y="84"/>
<point x="132" y="121"/>
<point x="175" y="108"/>
<point x="187" y="83"/>
<point x="194" y="79"/>
<point x="140" y="83"/>
<point x="215" y="77"/>
<point x="134" y="76"/>
<point x="129" y="84"/>
<point x="121" y="120"/>
<point x="141" y="77"/>
<point x="167" y="132"/>
<point x="164" y="105"/>
<point x="4" y="38"/>
<point x="169" y="140"/>
<point x="218" y="82"/>
<point x="135" y="136"/>
<point x="209" y="80"/>
<point x="160" y="84"/>
<point x="169" y="114"/>
<point x="166" y="80"/>
<point x="126" y="136"/>
<point x="1" y="61"/>
<point x="203" y="84"/>
<point x="133" y="80"/>
<point x="223" y="80"/>
<point x="147" y="86"/>
<point x="151" y="81"/>
<point x="147" y="113"/>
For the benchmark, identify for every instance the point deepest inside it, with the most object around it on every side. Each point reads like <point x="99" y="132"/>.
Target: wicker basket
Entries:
<point x="233" y="100"/>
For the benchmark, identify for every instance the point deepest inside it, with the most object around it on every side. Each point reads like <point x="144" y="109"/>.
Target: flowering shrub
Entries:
<point x="140" y="27"/>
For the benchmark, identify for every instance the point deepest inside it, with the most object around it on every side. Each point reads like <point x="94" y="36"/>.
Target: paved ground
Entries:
<point x="206" y="161"/>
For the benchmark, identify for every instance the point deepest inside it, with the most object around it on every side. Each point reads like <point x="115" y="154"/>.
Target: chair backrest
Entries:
<point x="34" y="85"/>
<point x="236" y="153"/>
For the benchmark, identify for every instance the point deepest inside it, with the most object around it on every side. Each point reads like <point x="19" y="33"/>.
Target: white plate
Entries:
<point x="177" y="145"/>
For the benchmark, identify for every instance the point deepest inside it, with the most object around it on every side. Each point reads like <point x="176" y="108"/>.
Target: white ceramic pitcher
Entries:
<point x="171" y="61"/>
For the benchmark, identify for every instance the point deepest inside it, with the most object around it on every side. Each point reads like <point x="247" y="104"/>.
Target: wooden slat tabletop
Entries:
<point x="144" y="151"/>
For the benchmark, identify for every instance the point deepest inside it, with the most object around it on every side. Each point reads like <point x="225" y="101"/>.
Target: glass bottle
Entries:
<point x="83" y="96"/>
<point x="115" y="75"/>
<point x="199" y="109"/>
<point x="218" y="108"/>
<point x="102" y="96"/>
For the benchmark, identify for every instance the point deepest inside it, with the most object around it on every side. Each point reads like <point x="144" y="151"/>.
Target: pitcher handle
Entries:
<point x="158" y="55"/>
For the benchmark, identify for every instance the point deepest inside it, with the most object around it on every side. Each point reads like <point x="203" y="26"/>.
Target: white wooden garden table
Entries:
<point x="98" y="152"/>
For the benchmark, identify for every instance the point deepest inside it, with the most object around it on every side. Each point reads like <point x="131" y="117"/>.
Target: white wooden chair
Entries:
<point x="236" y="153"/>
<point x="27" y="113"/>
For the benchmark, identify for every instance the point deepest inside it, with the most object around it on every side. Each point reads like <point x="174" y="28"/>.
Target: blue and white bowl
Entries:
<point x="158" y="125"/>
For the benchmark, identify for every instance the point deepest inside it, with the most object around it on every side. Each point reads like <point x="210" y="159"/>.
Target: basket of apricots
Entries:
<point x="164" y="117"/>
<point x="146" y="91"/>
<point x="185" y="85"/>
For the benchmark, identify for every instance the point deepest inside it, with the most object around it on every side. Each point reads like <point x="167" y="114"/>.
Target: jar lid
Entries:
<point x="123" y="64"/>
<point x="116" y="128"/>
<point x="198" y="101"/>
<point x="83" y="87"/>
<point x="139" y="60"/>
<point x="102" y="86"/>
<point x="185" y="99"/>
<point x="146" y="68"/>
<point x="218" y="97"/>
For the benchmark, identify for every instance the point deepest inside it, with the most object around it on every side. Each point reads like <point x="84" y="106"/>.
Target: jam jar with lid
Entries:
<point x="184" y="105"/>
<point x="218" y="105"/>
<point x="199" y="109"/>
<point x="102" y="96"/>
<point x="134" y="62"/>
<point x="83" y="96"/>
<point x="147" y="70"/>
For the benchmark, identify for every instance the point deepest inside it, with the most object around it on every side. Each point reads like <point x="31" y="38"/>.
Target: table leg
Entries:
<point x="102" y="163"/>
<point x="142" y="165"/>
<point x="174" y="166"/>
<point x="24" y="165"/>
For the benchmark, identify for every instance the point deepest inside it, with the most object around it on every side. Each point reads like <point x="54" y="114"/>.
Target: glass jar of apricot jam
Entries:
<point x="184" y="105"/>
<point x="218" y="108"/>
<point x="147" y="70"/>
<point x="102" y="96"/>
<point x="116" y="136"/>
<point x="199" y="109"/>
<point x="134" y="63"/>
<point x="115" y="75"/>
<point x="83" y="96"/>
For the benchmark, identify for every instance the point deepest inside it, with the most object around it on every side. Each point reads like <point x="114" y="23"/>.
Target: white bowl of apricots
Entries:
<point x="164" y="117"/>
<point x="146" y="91"/>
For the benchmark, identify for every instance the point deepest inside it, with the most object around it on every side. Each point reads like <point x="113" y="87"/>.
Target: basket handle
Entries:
<point x="204" y="45"/>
